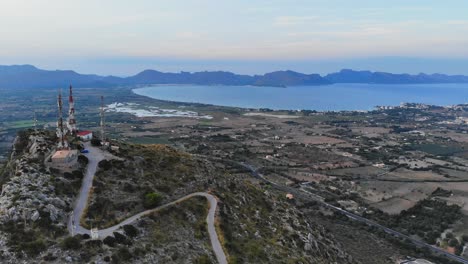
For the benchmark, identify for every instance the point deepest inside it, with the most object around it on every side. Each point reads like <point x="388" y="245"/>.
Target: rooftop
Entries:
<point x="61" y="154"/>
<point x="84" y="133"/>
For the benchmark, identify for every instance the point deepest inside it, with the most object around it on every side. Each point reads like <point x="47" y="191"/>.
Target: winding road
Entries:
<point x="96" y="155"/>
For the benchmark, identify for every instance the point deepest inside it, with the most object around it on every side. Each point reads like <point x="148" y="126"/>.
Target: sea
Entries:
<point x="336" y="97"/>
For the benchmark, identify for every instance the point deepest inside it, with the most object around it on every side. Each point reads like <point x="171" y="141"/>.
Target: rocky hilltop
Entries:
<point x="28" y="194"/>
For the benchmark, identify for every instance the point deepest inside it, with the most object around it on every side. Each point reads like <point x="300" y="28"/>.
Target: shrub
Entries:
<point x="71" y="243"/>
<point x="110" y="241"/>
<point x="458" y="250"/>
<point x="33" y="248"/>
<point x="77" y="174"/>
<point x="122" y="255"/>
<point x="68" y="175"/>
<point x="203" y="259"/>
<point x="105" y="165"/>
<point x="152" y="200"/>
<point x="453" y="242"/>
<point x="130" y="230"/>
<point x="96" y="142"/>
<point x="93" y="245"/>
<point x="83" y="160"/>
<point x="121" y="239"/>
<point x="465" y="238"/>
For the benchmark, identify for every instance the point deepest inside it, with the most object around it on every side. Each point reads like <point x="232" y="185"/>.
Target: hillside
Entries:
<point x="254" y="225"/>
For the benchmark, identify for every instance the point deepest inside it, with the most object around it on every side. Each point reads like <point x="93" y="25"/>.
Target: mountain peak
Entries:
<point x="28" y="76"/>
<point x="17" y="68"/>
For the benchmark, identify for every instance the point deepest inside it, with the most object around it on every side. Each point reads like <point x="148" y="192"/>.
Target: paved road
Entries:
<point x="210" y="220"/>
<point x="316" y="198"/>
<point x="94" y="156"/>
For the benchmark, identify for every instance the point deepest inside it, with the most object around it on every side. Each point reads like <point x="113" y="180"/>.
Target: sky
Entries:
<point x="122" y="37"/>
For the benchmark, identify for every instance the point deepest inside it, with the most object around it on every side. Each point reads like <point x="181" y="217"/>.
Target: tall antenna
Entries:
<point x="61" y="131"/>
<point x="103" y="137"/>
<point x="71" y="122"/>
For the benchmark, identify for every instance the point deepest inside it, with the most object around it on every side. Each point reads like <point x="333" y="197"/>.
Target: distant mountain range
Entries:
<point x="28" y="76"/>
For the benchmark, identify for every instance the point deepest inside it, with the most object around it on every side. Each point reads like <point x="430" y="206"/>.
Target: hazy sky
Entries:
<point x="123" y="37"/>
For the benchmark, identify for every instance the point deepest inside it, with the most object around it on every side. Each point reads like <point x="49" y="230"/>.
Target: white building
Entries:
<point x="85" y="135"/>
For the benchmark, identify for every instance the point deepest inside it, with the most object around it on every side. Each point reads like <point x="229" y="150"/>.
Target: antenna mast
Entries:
<point x="61" y="131"/>
<point x="71" y="113"/>
<point x="103" y="138"/>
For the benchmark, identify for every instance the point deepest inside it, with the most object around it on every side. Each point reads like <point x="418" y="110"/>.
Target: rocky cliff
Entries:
<point x="29" y="193"/>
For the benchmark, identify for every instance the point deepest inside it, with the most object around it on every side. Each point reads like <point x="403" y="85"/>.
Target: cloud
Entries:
<point x="457" y="22"/>
<point x="294" y="20"/>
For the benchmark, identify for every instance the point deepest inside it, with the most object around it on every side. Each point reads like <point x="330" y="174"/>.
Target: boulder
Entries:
<point x="53" y="212"/>
<point x="35" y="216"/>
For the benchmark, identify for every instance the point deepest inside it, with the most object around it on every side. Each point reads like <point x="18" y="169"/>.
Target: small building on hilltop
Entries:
<point x="85" y="135"/>
<point x="65" y="156"/>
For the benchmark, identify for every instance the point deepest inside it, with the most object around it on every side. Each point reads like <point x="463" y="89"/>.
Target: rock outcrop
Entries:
<point x="29" y="193"/>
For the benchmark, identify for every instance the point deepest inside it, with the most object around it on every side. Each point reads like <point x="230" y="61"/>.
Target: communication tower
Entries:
<point x="71" y="122"/>
<point x="61" y="130"/>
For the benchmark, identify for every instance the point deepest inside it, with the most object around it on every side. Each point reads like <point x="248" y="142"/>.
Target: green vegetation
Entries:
<point x="33" y="247"/>
<point x="96" y="142"/>
<point x="152" y="200"/>
<point x="187" y="217"/>
<point x="150" y="140"/>
<point x="110" y="241"/>
<point x="30" y="240"/>
<point x="71" y="243"/>
<point x="142" y="179"/>
<point x="130" y="230"/>
<point x="203" y="259"/>
<point x="122" y="255"/>
<point x="259" y="231"/>
<point x="439" y="149"/>
<point x="20" y="124"/>
<point x="427" y="219"/>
